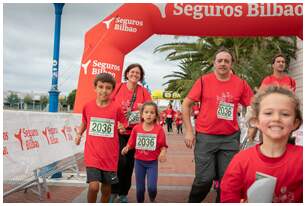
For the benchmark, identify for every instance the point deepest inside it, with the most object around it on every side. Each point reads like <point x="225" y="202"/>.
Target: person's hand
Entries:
<point x="162" y="156"/>
<point x="189" y="139"/>
<point x="77" y="140"/>
<point x="125" y="150"/>
<point x="243" y="201"/>
<point x="121" y="128"/>
<point x="139" y="105"/>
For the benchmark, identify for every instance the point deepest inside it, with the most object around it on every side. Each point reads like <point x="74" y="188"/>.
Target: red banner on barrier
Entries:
<point x="108" y="42"/>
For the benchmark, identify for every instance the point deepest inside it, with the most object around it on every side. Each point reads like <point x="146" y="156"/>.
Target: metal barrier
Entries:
<point x="38" y="182"/>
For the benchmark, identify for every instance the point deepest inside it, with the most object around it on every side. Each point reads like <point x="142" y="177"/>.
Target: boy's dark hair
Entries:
<point x="131" y="66"/>
<point x="105" y="77"/>
<point x="278" y="55"/>
<point x="150" y="104"/>
<point x="223" y="49"/>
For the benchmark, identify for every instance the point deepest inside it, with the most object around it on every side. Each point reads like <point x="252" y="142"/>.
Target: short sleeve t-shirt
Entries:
<point x="285" y="81"/>
<point x="102" y="144"/>
<point x="170" y="113"/>
<point x="148" y="144"/>
<point x="123" y="96"/>
<point x="250" y="164"/>
<point x="219" y="100"/>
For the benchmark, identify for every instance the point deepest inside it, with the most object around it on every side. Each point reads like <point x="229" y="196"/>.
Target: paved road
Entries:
<point x="174" y="180"/>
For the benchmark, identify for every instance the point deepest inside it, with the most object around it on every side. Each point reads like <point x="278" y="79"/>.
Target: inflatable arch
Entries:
<point x="109" y="41"/>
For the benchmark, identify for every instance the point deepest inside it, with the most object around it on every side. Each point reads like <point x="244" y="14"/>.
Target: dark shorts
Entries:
<point x="106" y="177"/>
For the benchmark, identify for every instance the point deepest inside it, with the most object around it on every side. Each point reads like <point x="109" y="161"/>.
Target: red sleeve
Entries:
<point x="195" y="92"/>
<point x="162" y="137"/>
<point x="121" y="117"/>
<point x="293" y="84"/>
<point x="147" y="96"/>
<point x="232" y="182"/>
<point x="84" y="117"/>
<point x="116" y="90"/>
<point x="132" y="139"/>
<point x="247" y="94"/>
<point x="264" y="82"/>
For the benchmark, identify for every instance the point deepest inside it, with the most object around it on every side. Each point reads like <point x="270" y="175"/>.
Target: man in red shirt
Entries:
<point x="279" y="76"/>
<point x="217" y="131"/>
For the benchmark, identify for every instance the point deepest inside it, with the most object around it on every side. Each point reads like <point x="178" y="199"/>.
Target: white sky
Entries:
<point x="28" y="31"/>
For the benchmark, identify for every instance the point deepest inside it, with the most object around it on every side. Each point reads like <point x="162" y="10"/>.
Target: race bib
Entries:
<point x="196" y="112"/>
<point x="134" y="117"/>
<point x="146" y="141"/>
<point x="101" y="127"/>
<point x="169" y="116"/>
<point x="225" y="111"/>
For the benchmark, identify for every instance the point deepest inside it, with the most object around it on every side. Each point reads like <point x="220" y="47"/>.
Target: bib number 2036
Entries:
<point x="101" y="127"/>
<point x="225" y="111"/>
<point x="146" y="142"/>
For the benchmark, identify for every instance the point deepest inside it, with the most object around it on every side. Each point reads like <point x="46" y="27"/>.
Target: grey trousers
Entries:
<point x="212" y="155"/>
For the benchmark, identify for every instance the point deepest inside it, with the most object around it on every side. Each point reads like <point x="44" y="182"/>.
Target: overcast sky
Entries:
<point x="28" y="46"/>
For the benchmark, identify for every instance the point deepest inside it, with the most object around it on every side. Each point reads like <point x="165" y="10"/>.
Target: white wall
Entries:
<point x="296" y="70"/>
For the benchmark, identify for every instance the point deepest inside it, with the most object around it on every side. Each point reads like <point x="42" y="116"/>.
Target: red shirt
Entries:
<point x="123" y="97"/>
<point x="102" y="142"/>
<point x="178" y="118"/>
<point x="219" y="100"/>
<point x="169" y="113"/>
<point x="148" y="144"/>
<point x="285" y="81"/>
<point x="241" y="173"/>
<point x="196" y="110"/>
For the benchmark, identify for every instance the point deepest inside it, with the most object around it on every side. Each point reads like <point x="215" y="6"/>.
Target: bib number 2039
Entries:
<point x="101" y="127"/>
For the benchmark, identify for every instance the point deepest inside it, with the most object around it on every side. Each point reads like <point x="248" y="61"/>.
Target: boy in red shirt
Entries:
<point x="277" y="114"/>
<point x="149" y="139"/>
<point x="100" y="119"/>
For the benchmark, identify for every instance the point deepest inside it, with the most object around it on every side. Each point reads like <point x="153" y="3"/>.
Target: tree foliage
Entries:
<point x="28" y="99"/>
<point x="71" y="98"/>
<point x="13" y="99"/>
<point x="252" y="58"/>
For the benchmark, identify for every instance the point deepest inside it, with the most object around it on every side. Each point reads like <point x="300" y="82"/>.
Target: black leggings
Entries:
<point x="169" y="124"/>
<point x="125" y="168"/>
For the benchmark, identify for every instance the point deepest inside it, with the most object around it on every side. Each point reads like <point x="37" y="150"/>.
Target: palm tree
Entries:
<point x="252" y="57"/>
<point x="183" y="79"/>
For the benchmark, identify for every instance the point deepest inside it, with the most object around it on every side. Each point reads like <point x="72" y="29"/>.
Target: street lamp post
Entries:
<point x="54" y="93"/>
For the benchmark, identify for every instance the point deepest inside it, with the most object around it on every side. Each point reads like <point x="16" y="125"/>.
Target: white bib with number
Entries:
<point x="225" y="111"/>
<point x="101" y="127"/>
<point x="134" y="118"/>
<point x="146" y="141"/>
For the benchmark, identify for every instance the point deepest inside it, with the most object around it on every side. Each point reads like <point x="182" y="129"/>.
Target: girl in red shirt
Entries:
<point x="277" y="114"/>
<point x="149" y="140"/>
<point x="130" y="95"/>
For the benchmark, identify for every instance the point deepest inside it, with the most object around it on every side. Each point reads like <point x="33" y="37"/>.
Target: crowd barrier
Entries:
<point x="37" y="145"/>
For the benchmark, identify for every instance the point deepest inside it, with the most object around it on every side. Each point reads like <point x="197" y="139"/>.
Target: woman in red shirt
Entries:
<point x="169" y="117"/>
<point x="131" y="96"/>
